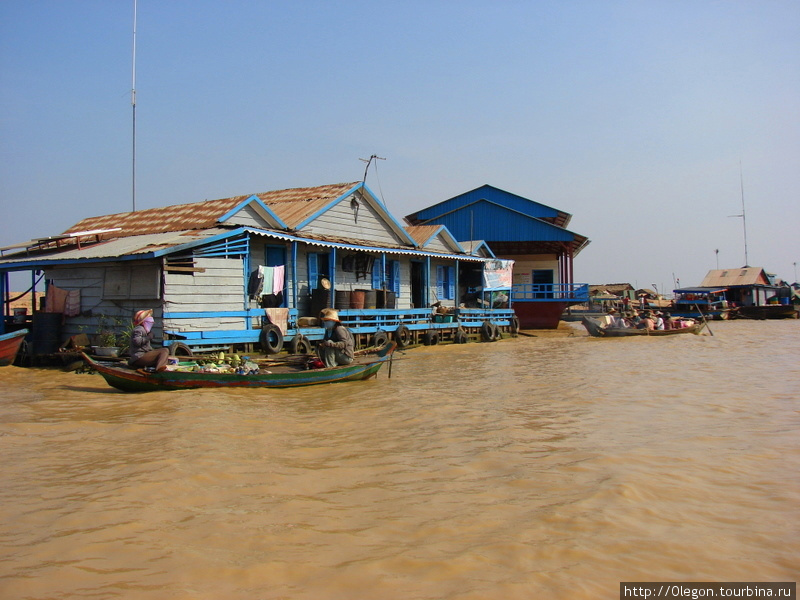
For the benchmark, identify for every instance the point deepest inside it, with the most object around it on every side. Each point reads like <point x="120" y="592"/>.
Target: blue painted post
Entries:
<point x="294" y="274"/>
<point x="332" y="273"/>
<point x="426" y="298"/>
<point x="4" y="300"/>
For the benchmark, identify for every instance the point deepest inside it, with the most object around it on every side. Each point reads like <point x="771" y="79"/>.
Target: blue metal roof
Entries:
<point x="484" y="220"/>
<point x="491" y="194"/>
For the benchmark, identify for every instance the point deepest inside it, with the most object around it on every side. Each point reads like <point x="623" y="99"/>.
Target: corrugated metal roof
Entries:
<point x="116" y="248"/>
<point x="295" y="205"/>
<point x="731" y="277"/>
<point x="495" y="195"/>
<point x="422" y="233"/>
<point x="291" y="205"/>
<point x="179" y="217"/>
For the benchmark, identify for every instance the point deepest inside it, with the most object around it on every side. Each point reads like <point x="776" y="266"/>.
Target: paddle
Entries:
<point x="704" y="319"/>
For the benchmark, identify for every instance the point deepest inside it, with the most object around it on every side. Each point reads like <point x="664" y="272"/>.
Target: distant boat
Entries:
<point x="768" y="311"/>
<point x="601" y="327"/>
<point x="137" y="380"/>
<point x="698" y="302"/>
<point x="9" y="346"/>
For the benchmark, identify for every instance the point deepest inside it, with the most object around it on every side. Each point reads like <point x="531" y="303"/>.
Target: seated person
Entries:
<point x="142" y="353"/>
<point x="337" y="346"/>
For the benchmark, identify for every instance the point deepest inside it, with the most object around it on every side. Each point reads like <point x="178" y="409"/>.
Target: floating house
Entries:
<point x="531" y="234"/>
<point x="748" y="292"/>
<point x="257" y="269"/>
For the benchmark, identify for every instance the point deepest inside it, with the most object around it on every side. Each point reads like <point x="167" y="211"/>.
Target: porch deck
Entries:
<point x="363" y="323"/>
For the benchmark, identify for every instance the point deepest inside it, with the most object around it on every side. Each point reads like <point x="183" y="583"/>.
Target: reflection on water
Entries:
<point x="537" y="467"/>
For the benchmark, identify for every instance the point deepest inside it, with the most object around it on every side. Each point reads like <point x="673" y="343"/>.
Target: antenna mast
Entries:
<point x="369" y="162"/>
<point x="133" y="106"/>
<point x="743" y="217"/>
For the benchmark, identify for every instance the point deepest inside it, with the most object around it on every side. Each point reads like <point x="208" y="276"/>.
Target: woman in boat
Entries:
<point x="142" y="353"/>
<point x="337" y="346"/>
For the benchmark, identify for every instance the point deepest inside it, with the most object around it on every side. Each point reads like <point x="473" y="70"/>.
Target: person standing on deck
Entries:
<point x="337" y="346"/>
<point x="142" y="353"/>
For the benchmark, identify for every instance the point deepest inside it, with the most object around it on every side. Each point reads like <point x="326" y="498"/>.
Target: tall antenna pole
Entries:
<point x="742" y="216"/>
<point x="133" y="106"/>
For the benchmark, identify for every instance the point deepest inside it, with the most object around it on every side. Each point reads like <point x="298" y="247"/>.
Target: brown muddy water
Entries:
<point x="541" y="467"/>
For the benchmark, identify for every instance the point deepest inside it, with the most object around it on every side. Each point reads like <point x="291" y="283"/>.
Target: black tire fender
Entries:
<point x="487" y="331"/>
<point x="514" y="326"/>
<point x="300" y="345"/>
<point x="402" y="335"/>
<point x="380" y="339"/>
<point x="271" y="339"/>
<point x="430" y="338"/>
<point x="180" y="349"/>
<point x="460" y="336"/>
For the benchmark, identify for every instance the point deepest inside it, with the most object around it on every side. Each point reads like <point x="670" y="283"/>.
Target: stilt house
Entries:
<point x="254" y="269"/>
<point x="531" y="234"/>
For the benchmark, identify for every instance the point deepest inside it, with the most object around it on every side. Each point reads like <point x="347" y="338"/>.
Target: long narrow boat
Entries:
<point x="600" y="327"/>
<point x="9" y="346"/>
<point x="137" y="380"/>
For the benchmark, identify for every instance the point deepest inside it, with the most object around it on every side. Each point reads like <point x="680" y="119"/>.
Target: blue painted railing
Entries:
<point x="357" y="320"/>
<point x="548" y="292"/>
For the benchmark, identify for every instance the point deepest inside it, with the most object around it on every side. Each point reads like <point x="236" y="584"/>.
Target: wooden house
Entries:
<point x="751" y="292"/>
<point x="531" y="234"/>
<point x="254" y="269"/>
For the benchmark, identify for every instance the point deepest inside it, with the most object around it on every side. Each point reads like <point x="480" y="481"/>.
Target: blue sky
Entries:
<point x="632" y="116"/>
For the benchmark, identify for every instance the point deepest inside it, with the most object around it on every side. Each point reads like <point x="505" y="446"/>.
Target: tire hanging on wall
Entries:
<point x="487" y="331"/>
<point x="430" y="338"/>
<point x="271" y="339"/>
<point x="402" y="335"/>
<point x="496" y="333"/>
<point x="380" y="339"/>
<point x="300" y="345"/>
<point x="460" y="336"/>
<point x="179" y="349"/>
<point x="514" y="326"/>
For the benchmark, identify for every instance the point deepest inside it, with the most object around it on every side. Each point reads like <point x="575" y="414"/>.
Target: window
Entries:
<point x="317" y="269"/>
<point x="135" y="283"/>
<point x="445" y="282"/>
<point x="391" y="279"/>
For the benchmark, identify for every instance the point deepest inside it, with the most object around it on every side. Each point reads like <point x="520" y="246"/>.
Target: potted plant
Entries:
<point x="114" y="333"/>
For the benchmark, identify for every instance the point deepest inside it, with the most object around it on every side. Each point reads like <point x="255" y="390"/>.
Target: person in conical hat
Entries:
<point x="142" y="353"/>
<point x="337" y="346"/>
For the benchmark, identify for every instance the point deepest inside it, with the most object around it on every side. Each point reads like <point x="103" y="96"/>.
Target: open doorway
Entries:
<point x="417" y="284"/>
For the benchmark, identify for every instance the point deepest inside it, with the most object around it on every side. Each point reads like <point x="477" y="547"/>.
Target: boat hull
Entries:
<point x="9" y="346"/>
<point x="597" y="328"/>
<point x="540" y="315"/>
<point x="771" y="311"/>
<point x="129" y="380"/>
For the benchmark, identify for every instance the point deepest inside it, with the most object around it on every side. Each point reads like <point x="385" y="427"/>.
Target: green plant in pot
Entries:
<point x="114" y="334"/>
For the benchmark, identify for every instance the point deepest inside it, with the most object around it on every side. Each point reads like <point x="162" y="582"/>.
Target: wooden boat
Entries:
<point x="137" y="380"/>
<point x="767" y="311"/>
<point x="9" y="346"/>
<point x="601" y="327"/>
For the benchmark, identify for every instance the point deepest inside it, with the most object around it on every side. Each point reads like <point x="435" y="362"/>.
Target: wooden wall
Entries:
<point x="221" y="287"/>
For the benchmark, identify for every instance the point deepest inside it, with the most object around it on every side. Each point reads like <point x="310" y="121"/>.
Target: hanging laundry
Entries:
<point x="278" y="277"/>
<point x="279" y="317"/>
<point x="56" y="299"/>
<point x="255" y="284"/>
<point x="72" y="304"/>
<point x="267" y="276"/>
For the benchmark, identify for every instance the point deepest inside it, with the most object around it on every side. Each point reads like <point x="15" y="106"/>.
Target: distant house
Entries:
<point x="213" y="271"/>
<point x="533" y="235"/>
<point x="748" y="292"/>
<point x="747" y="286"/>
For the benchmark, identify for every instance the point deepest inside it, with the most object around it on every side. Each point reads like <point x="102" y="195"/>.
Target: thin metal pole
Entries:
<point x="744" y="218"/>
<point x="133" y="106"/>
